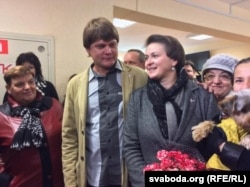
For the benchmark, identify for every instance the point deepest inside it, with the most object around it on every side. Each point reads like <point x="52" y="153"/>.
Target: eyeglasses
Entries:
<point x="222" y="77"/>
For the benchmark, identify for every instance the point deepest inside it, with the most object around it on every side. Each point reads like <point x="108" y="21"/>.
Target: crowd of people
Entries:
<point x="116" y="115"/>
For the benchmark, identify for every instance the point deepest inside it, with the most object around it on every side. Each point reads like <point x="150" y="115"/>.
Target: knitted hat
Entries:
<point x="222" y="62"/>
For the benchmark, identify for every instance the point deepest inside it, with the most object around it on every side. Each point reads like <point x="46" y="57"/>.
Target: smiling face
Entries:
<point x="104" y="55"/>
<point x="158" y="65"/>
<point x="22" y="88"/>
<point x="219" y="82"/>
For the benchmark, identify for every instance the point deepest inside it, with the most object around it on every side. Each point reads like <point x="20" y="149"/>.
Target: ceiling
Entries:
<point x="135" y="35"/>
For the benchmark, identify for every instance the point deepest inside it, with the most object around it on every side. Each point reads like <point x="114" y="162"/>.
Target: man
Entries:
<point x="94" y="111"/>
<point x="135" y="57"/>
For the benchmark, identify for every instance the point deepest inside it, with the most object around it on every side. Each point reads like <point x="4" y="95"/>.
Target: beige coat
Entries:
<point x="74" y="121"/>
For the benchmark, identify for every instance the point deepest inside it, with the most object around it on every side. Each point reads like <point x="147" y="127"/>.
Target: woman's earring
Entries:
<point x="173" y="68"/>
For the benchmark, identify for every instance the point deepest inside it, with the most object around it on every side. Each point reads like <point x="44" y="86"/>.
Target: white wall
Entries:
<point x="62" y="19"/>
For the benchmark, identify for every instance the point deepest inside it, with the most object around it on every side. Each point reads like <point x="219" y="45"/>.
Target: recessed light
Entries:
<point x="199" y="36"/>
<point x="122" y="23"/>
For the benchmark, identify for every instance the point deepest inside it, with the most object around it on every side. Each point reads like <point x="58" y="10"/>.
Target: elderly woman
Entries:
<point x="160" y="114"/>
<point x="217" y="75"/>
<point x="30" y="133"/>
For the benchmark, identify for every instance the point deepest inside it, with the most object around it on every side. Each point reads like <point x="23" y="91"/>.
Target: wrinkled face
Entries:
<point x="219" y="82"/>
<point x="104" y="54"/>
<point x="132" y="58"/>
<point x="158" y="65"/>
<point x="23" y="89"/>
<point x="241" y="77"/>
<point x="190" y="71"/>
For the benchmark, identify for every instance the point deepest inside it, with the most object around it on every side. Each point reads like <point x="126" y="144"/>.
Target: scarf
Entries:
<point x="30" y="131"/>
<point x="158" y="96"/>
<point x="41" y="85"/>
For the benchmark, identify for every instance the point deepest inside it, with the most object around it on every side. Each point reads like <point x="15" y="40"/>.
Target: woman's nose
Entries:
<point x="216" y="79"/>
<point x="26" y="85"/>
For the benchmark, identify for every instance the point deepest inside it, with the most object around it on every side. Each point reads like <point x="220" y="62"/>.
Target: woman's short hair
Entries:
<point x="173" y="47"/>
<point x="16" y="71"/>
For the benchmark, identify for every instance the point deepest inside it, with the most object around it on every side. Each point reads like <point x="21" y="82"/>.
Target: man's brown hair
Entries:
<point x="99" y="28"/>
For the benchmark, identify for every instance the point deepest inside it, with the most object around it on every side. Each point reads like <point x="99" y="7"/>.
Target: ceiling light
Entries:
<point x="122" y="23"/>
<point x="199" y="36"/>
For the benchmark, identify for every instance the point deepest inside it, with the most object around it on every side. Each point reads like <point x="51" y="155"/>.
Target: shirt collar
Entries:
<point x="92" y="74"/>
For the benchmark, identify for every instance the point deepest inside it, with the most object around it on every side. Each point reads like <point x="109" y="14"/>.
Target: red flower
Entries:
<point x="175" y="161"/>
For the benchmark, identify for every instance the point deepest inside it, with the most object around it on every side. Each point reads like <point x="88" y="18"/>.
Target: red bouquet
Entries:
<point x="175" y="161"/>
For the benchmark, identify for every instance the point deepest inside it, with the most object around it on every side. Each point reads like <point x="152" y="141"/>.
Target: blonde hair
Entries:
<point x="16" y="71"/>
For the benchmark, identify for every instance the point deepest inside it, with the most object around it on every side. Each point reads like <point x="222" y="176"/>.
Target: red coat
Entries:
<point x="26" y="165"/>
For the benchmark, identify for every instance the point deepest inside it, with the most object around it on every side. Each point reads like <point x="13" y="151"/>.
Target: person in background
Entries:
<point x="231" y="154"/>
<point x="157" y="114"/>
<point x="30" y="60"/>
<point x="217" y="74"/>
<point x="191" y="70"/>
<point x="94" y="111"/>
<point x="30" y="135"/>
<point x="135" y="57"/>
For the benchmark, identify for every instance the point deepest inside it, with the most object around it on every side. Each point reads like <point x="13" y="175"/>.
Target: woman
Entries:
<point x="160" y="115"/>
<point x="30" y="135"/>
<point x="31" y="61"/>
<point x="232" y="155"/>
<point x="217" y="74"/>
